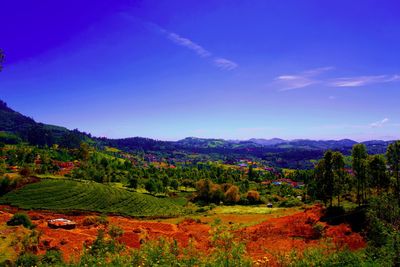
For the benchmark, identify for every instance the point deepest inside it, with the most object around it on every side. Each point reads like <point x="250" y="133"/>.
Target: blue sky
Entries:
<point x="223" y="69"/>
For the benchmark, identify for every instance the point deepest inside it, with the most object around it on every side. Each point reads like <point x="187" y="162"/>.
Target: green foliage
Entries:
<point x="359" y="155"/>
<point x="95" y="221"/>
<point x="52" y="257"/>
<point x="291" y="202"/>
<point x="30" y="241"/>
<point x="157" y="253"/>
<point x="393" y="158"/>
<point x="174" y="184"/>
<point x="20" y="219"/>
<point x="319" y="257"/>
<point x="9" y="138"/>
<point x="153" y="185"/>
<point x="90" y="196"/>
<point x="115" y="231"/>
<point x="227" y="250"/>
<point x="6" y="184"/>
<point x="27" y="260"/>
<point x="378" y="176"/>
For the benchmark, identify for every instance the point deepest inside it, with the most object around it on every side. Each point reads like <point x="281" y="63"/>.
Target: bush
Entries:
<point x="52" y="257"/>
<point x="6" y="184"/>
<point x="291" y="202"/>
<point x="27" y="260"/>
<point x="253" y="197"/>
<point x="334" y="215"/>
<point x="20" y="219"/>
<point x="318" y="230"/>
<point x="232" y="194"/>
<point x="95" y="221"/>
<point x="26" y="171"/>
<point x="115" y="231"/>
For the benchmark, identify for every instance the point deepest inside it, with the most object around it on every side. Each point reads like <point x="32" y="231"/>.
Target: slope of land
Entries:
<point x="88" y="196"/>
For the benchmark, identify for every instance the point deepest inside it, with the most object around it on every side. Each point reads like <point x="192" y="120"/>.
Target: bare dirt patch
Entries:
<point x="269" y="238"/>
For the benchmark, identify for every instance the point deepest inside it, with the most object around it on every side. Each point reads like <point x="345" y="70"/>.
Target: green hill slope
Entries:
<point x="88" y="196"/>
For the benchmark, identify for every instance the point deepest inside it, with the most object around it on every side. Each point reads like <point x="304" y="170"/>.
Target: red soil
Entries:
<point x="278" y="236"/>
<point x="274" y="236"/>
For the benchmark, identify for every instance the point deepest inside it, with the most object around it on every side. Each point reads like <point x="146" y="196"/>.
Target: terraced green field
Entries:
<point x="88" y="196"/>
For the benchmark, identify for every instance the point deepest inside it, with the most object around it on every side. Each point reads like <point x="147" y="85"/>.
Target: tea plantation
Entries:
<point x="68" y="195"/>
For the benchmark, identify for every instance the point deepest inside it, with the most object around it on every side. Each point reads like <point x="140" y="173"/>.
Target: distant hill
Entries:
<point x="268" y="142"/>
<point x="12" y="121"/>
<point x="37" y="133"/>
<point x="319" y="144"/>
<point x="26" y="128"/>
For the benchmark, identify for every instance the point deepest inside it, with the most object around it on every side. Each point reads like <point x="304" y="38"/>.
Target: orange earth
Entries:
<point x="275" y="236"/>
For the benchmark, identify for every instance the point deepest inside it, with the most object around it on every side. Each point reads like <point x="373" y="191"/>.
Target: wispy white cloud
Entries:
<point x="362" y="80"/>
<point x="219" y="62"/>
<point x="185" y="42"/>
<point x="225" y="64"/>
<point x="318" y="71"/>
<point x="379" y="124"/>
<point x="300" y="80"/>
<point x="310" y="77"/>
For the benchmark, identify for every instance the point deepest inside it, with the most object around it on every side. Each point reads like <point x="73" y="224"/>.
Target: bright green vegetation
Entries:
<point x="238" y="209"/>
<point x="20" y="219"/>
<point x="89" y="196"/>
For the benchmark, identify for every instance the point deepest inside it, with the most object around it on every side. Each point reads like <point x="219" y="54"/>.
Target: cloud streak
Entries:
<point x="225" y="64"/>
<point x="295" y="81"/>
<point x="362" y="80"/>
<point x="199" y="50"/>
<point x="219" y="62"/>
<point x="379" y="124"/>
<point x="311" y="77"/>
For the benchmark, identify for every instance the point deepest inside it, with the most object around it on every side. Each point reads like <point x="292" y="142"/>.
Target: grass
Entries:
<point x="240" y="216"/>
<point x="51" y="176"/>
<point x="238" y="209"/>
<point x="10" y="238"/>
<point x="68" y="195"/>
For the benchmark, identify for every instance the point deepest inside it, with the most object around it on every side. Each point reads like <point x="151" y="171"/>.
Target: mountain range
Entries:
<point x="43" y="134"/>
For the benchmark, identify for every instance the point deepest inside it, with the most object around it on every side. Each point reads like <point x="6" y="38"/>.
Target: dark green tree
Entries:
<point x="133" y="181"/>
<point x="393" y="159"/>
<point x="359" y="157"/>
<point x="339" y="174"/>
<point x="377" y="172"/>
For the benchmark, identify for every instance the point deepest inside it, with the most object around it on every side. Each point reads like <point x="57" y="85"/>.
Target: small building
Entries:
<point x="61" y="223"/>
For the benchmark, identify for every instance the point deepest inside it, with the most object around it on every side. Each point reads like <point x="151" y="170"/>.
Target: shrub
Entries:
<point x="115" y="231"/>
<point x="20" y="219"/>
<point x="27" y="260"/>
<point x="90" y="221"/>
<point x="318" y="230"/>
<point x="52" y="257"/>
<point x="30" y="242"/>
<point x="253" y="197"/>
<point x="174" y="184"/>
<point x="334" y="215"/>
<point x="26" y="171"/>
<point x="291" y="202"/>
<point x="232" y="194"/>
<point x="95" y="221"/>
<point x="6" y="184"/>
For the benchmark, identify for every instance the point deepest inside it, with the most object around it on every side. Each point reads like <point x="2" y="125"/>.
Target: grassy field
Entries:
<point x="237" y="209"/>
<point x="56" y="194"/>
